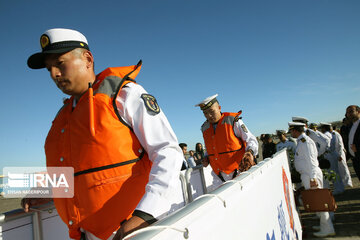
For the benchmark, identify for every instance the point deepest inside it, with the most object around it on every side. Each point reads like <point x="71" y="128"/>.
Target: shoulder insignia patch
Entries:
<point x="244" y="128"/>
<point x="303" y="140"/>
<point x="150" y="103"/>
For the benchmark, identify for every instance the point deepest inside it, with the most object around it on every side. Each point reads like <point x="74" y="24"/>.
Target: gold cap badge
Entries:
<point x="44" y="41"/>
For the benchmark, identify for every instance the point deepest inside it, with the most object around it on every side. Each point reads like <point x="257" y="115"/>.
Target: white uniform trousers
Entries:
<point x="334" y="165"/>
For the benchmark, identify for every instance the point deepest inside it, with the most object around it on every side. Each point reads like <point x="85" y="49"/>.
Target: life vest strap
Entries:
<point x="227" y="152"/>
<point x="109" y="166"/>
<point x="126" y="77"/>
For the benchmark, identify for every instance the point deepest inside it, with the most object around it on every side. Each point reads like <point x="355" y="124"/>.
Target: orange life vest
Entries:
<point x="224" y="149"/>
<point x="111" y="167"/>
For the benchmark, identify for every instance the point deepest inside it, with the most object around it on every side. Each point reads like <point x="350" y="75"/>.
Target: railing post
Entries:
<point x="37" y="226"/>
<point x="188" y="185"/>
<point x="184" y="188"/>
<point x="203" y="182"/>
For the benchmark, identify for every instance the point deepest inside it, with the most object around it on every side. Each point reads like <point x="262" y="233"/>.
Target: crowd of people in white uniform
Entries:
<point x="330" y="148"/>
<point x="313" y="155"/>
<point x="317" y="159"/>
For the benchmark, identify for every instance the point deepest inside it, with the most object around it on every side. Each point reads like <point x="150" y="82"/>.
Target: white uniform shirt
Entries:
<point x="338" y="145"/>
<point x="343" y="169"/>
<point x="306" y="162"/>
<point x="159" y="141"/>
<point x="332" y="143"/>
<point x="241" y="131"/>
<point x="322" y="141"/>
<point x="289" y="145"/>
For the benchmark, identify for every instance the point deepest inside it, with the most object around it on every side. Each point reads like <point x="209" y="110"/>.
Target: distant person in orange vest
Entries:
<point x="231" y="147"/>
<point x="113" y="133"/>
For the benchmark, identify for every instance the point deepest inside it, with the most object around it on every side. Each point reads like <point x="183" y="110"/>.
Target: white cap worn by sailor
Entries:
<point x="57" y="40"/>
<point x="293" y="125"/>
<point x="325" y="124"/>
<point x="280" y="132"/>
<point x="300" y="119"/>
<point x="207" y="102"/>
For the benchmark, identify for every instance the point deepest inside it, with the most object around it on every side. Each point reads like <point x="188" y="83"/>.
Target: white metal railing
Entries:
<point x="254" y="205"/>
<point x="28" y="225"/>
<point x="201" y="205"/>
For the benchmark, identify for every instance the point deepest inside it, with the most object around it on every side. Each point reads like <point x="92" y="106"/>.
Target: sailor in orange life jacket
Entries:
<point x="124" y="152"/>
<point x="231" y="147"/>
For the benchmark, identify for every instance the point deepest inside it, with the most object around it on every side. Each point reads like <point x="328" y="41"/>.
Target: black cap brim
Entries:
<point x="37" y="60"/>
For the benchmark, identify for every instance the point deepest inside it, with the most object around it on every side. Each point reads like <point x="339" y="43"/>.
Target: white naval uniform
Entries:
<point x="160" y="142"/>
<point x="339" y="167"/>
<point x="251" y="143"/>
<point x="289" y="145"/>
<point x="321" y="140"/>
<point x="342" y="165"/>
<point x="307" y="165"/>
<point x="248" y="137"/>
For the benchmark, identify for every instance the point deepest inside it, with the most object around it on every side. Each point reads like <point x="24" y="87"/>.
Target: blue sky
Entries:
<point x="270" y="59"/>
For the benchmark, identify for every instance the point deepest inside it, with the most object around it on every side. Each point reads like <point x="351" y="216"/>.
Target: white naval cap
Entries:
<point x="300" y="119"/>
<point x="207" y="102"/>
<point x="57" y="40"/>
<point x="279" y="132"/>
<point x="295" y="124"/>
<point x="325" y="124"/>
